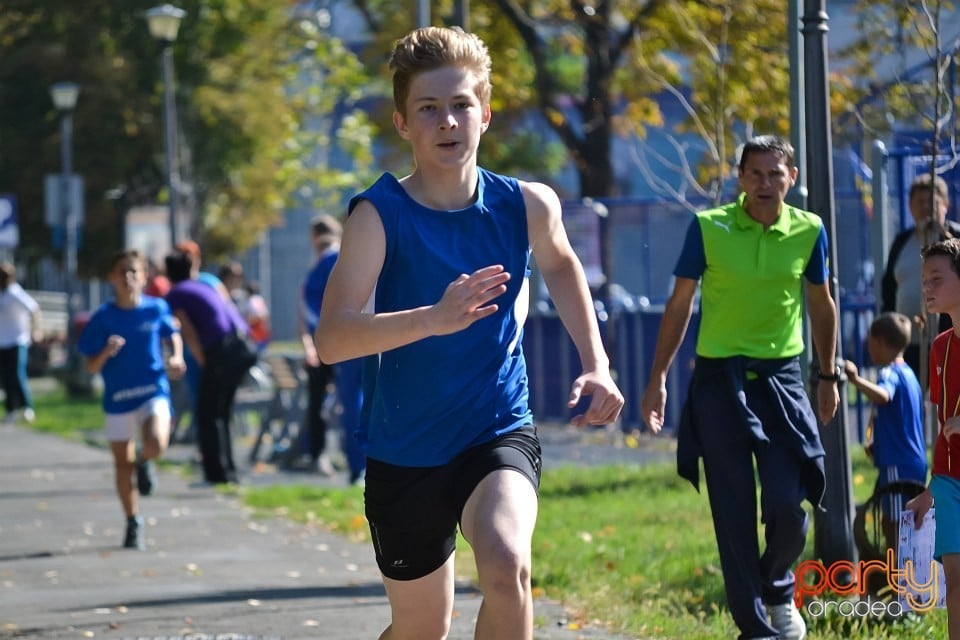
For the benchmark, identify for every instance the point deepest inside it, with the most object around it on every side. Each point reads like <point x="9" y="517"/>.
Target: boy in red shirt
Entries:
<point x="941" y="294"/>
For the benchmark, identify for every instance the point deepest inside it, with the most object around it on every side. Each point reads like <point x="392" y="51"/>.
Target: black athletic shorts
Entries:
<point x="414" y="511"/>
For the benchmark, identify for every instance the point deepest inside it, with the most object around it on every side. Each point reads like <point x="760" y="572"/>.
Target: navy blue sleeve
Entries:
<point x="693" y="257"/>
<point x="817" y="271"/>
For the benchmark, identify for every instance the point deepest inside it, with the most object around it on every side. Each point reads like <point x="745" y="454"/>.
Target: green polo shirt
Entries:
<point x="751" y="279"/>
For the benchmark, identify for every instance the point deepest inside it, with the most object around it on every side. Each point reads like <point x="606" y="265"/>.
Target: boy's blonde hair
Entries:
<point x="892" y="329"/>
<point x="430" y="48"/>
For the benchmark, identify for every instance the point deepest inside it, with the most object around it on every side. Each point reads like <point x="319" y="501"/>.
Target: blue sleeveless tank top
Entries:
<point x="436" y="397"/>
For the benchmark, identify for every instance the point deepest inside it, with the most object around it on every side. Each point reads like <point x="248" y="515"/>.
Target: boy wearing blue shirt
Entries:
<point x="122" y="343"/>
<point x="898" y="448"/>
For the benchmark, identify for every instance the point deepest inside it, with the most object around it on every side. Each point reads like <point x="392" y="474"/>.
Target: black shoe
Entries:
<point x="134" y="536"/>
<point x="146" y="478"/>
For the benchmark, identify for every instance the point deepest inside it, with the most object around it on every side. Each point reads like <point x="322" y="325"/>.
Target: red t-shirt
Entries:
<point x="158" y="286"/>
<point x="945" y="396"/>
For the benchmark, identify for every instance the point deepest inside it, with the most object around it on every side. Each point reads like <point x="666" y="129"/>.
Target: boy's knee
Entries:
<point x="505" y="573"/>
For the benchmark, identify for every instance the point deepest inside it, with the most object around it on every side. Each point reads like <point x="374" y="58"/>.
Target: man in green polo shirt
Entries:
<point x="746" y="399"/>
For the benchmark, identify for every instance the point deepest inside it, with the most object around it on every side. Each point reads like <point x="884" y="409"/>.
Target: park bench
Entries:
<point x="270" y="402"/>
<point x="280" y="423"/>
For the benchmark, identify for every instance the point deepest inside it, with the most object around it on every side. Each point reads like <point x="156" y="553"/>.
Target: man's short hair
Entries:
<point x="231" y="269"/>
<point x="767" y="144"/>
<point x="325" y="224"/>
<point x="925" y="182"/>
<point x="892" y="329"/>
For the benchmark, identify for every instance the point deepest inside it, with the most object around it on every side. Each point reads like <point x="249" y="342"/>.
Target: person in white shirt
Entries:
<point x="19" y="321"/>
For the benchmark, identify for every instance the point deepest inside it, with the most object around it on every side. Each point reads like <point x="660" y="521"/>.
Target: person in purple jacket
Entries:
<point x="209" y="325"/>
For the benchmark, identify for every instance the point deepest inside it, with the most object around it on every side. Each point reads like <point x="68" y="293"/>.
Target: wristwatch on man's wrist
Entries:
<point x="833" y="376"/>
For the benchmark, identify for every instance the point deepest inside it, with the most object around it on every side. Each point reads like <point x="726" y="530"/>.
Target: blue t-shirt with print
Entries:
<point x="136" y="373"/>
<point x="898" y="439"/>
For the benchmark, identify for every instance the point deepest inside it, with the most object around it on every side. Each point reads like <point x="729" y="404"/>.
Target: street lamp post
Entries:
<point x="64" y="96"/>
<point x="833" y="531"/>
<point x="164" y="23"/>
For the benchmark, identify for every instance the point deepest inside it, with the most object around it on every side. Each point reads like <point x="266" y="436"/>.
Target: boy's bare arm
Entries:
<point x="346" y="331"/>
<point x="564" y="277"/>
<point x="111" y="348"/>
<point x="874" y="393"/>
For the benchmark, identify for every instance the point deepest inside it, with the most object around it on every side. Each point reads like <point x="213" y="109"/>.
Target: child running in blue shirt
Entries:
<point x="898" y="448"/>
<point x="122" y="343"/>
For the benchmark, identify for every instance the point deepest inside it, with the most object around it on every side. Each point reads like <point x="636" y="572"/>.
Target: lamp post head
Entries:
<point x="164" y="22"/>
<point x="64" y="95"/>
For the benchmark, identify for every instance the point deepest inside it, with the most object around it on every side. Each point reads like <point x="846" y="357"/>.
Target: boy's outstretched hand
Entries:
<point x="113" y="346"/>
<point x="467" y="299"/>
<point x="606" y="401"/>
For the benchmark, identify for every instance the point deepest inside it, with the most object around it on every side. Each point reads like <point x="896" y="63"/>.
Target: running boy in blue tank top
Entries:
<point x="441" y="256"/>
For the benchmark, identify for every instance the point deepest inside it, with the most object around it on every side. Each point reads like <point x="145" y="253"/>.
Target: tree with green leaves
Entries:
<point x="594" y="72"/>
<point x="265" y="96"/>
<point x="895" y="73"/>
<point x="904" y="41"/>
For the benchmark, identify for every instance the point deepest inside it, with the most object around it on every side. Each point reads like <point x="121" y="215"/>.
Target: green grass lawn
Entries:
<point x="626" y="547"/>
<point x="75" y="418"/>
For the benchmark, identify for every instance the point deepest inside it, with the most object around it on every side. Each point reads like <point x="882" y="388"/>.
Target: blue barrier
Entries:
<point x="630" y="338"/>
<point x="856" y="314"/>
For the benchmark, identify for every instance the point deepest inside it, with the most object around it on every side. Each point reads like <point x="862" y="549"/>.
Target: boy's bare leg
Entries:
<point x="421" y="609"/>
<point x="498" y="522"/>
<point x="156" y="436"/>
<point x="123" y="475"/>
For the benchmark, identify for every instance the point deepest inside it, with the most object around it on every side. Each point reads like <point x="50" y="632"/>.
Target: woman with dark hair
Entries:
<point x="211" y="329"/>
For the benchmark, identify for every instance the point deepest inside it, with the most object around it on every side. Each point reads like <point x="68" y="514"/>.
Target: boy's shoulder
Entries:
<point x="386" y="184"/>
<point x="904" y="375"/>
<point x="941" y="341"/>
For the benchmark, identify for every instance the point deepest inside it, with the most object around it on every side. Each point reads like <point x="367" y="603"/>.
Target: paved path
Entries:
<point x="209" y="570"/>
